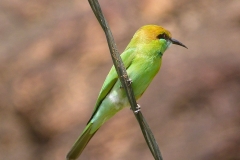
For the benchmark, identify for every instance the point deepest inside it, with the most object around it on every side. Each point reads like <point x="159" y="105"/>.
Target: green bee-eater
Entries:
<point x="142" y="59"/>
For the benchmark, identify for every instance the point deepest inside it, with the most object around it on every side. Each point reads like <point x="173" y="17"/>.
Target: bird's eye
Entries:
<point x="162" y="36"/>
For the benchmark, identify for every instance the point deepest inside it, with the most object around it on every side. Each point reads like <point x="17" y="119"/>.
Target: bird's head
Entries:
<point x="153" y="34"/>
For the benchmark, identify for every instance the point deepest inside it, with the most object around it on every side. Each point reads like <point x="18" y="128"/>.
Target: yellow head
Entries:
<point x="149" y="33"/>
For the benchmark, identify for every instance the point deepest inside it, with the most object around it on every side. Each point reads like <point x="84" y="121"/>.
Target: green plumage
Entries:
<point x="142" y="60"/>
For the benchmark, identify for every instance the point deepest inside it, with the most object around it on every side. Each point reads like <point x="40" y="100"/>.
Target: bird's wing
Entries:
<point x="112" y="77"/>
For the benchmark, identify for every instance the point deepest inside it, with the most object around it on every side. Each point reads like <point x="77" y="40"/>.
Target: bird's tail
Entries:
<point x="81" y="143"/>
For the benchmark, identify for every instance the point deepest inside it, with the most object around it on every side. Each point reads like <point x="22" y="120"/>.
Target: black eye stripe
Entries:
<point x="162" y="36"/>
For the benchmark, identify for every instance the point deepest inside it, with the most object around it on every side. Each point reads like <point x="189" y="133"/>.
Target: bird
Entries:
<point x="142" y="59"/>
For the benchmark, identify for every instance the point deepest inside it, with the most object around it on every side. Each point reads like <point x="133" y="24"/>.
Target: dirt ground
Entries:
<point x="54" y="59"/>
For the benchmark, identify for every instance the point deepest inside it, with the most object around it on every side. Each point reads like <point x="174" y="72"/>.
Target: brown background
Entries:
<point x="54" y="59"/>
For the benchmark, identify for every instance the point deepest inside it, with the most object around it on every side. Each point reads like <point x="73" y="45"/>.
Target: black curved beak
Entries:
<point x="174" y="41"/>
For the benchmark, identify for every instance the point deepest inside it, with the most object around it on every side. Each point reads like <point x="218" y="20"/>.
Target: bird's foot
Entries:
<point x="129" y="81"/>
<point x="138" y="109"/>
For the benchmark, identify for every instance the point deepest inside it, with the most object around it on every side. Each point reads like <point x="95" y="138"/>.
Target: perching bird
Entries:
<point x="142" y="59"/>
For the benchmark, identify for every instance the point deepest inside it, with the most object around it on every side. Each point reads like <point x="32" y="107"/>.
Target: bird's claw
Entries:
<point x="129" y="81"/>
<point x="138" y="109"/>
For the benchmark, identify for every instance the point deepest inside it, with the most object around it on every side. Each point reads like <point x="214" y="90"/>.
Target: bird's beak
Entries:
<point x="174" y="41"/>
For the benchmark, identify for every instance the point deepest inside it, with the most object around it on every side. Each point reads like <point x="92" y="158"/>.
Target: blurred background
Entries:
<point x="54" y="59"/>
